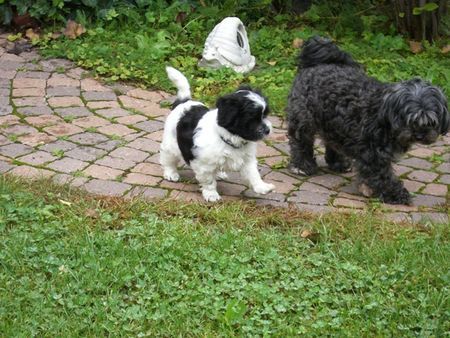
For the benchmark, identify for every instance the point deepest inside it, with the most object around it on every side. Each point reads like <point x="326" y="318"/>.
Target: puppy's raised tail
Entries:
<point x="180" y="81"/>
<point x="318" y="50"/>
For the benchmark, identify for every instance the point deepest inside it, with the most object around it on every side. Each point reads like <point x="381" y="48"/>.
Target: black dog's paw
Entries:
<point x="340" y="167"/>
<point x="399" y="197"/>
<point x="305" y="169"/>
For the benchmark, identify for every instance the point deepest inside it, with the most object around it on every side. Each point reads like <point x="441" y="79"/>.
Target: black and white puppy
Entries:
<point x="215" y="141"/>
<point x="359" y="118"/>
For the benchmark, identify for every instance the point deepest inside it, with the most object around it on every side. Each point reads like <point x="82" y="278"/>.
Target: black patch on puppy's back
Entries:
<point x="186" y="129"/>
<point x="178" y="102"/>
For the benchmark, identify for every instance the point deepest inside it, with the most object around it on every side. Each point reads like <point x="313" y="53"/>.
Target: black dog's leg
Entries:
<point x="378" y="174"/>
<point x="337" y="161"/>
<point x="301" y="142"/>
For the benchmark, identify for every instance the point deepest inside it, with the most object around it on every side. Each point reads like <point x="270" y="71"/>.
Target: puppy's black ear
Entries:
<point x="228" y="107"/>
<point x="245" y="87"/>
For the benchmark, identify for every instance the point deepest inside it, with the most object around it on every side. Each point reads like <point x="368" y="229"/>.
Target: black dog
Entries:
<point x="359" y="118"/>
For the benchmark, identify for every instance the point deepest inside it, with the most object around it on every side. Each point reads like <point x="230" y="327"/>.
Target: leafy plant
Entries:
<point x="139" y="52"/>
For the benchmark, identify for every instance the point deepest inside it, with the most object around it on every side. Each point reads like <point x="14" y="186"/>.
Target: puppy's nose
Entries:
<point x="266" y="129"/>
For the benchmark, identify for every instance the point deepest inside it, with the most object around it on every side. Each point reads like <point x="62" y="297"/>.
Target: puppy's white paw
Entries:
<point x="211" y="195"/>
<point x="263" y="188"/>
<point x="172" y="176"/>
<point x="222" y="175"/>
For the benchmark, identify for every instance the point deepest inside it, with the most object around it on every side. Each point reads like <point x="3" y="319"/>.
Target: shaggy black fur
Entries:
<point x="359" y="118"/>
<point x="241" y="116"/>
<point x="186" y="129"/>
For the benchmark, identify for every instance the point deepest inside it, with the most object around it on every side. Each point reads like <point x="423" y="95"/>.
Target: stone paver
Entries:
<point x="63" y="91"/>
<point x="43" y="120"/>
<point x="129" y="154"/>
<point x="35" y="139"/>
<point x="102" y="104"/>
<point x="59" y="145"/>
<point x="63" y="129"/>
<point x="436" y="189"/>
<point x="414" y="162"/>
<point x="88" y="138"/>
<point x="116" y="129"/>
<point x="107" y="188"/>
<point x="30" y="172"/>
<point x="73" y="112"/>
<point x="91" y="122"/>
<point x="99" y="96"/>
<point x="65" y="101"/>
<point x="112" y="112"/>
<point x="423" y="176"/>
<point x="37" y="158"/>
<point x="85" y="153"/>
<point x="116" y="136"/>
<point x="117" y="163"/>
<point x="101" y="172"/>
<point x="141" y="179"/>
<point x="67" y="165"/>
<point x="147" y="193"/>
<point x="15" y="150"/>
<point x="35" y="111"/>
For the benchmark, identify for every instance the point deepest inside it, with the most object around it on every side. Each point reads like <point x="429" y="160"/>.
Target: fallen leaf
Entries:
<point x="445" y="49"/>
<point x="306" y="233"/>
<point x="311" y="235"/>
<point x="73" y="29"/>
<point x="297" y="43"/>
<point x="65" y="202"/>
<point x="56" y="35"/>
<point x="415" y="47"/>
<point x="31" y="34"/>
<point x="181" y="17"/>
<point x="272" y="63"/>
<point x="91" y="213"/>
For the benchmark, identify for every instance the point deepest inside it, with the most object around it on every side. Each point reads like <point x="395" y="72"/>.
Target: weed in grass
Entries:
<point x="435" y="158"/>
<point x="58" y="153"/>
<point x="91" y="129"/>
<point x="60" y="70"/>
<point x="280" y="165"/>
<point x="115" y="137"/>
<point x="79" y="173"/>
<point x="13" y="137"/>
<point x="69" y="118"/>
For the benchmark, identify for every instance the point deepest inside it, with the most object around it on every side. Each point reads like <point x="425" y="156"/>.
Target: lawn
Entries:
<point x="73" y="265"/>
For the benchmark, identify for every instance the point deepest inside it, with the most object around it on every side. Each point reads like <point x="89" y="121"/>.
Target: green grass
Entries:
<point x="137" y="51"/>
<point x="72" y="265"/>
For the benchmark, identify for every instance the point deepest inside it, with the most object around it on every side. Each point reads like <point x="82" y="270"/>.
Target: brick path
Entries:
<point x="57" y="122"/>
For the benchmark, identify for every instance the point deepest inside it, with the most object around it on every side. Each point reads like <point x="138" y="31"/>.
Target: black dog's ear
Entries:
<point x="445" y="115"/>
<point x="445" y="123"/>
<point x="228" y="107"/>
<point x="389" y="115"/>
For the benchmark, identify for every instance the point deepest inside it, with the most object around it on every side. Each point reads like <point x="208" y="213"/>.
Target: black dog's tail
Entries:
<point x="318" y="50"/>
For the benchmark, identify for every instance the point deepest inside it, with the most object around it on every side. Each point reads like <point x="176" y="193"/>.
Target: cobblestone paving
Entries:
<point x="56" y="121"/>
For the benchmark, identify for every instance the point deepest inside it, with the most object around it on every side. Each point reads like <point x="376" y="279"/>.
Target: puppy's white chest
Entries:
<point x="233" y="160"/>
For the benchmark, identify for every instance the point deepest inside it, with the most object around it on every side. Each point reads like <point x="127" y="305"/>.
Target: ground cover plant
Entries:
<point x="74" y="265"/>
<point x="135" y="45"/>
